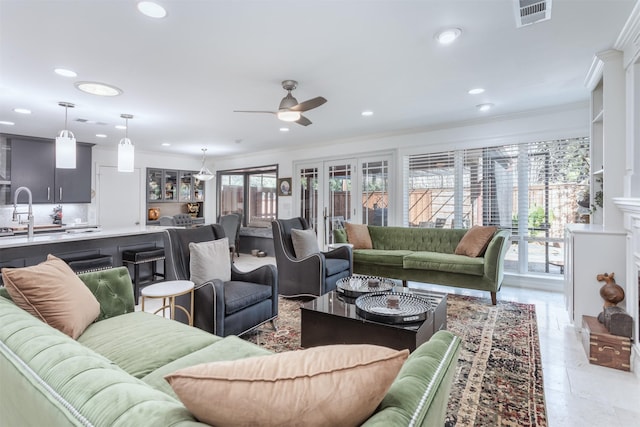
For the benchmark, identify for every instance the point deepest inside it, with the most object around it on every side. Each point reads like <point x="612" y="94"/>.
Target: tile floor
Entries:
<point x="577" y="393"/>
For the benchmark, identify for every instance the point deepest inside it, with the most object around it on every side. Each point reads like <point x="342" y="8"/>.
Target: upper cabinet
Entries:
<point x="33" y="166"/>
<point x="168" y="185"/>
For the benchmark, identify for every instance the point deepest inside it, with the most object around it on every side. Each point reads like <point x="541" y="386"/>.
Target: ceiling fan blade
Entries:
<point x="253" y="111"/>
<point x="303" y="121"/>
<point x="309" y="104"/>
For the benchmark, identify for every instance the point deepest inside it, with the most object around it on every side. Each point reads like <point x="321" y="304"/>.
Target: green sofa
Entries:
<point x="427" y="255"/>
<point x="113" y="374"/>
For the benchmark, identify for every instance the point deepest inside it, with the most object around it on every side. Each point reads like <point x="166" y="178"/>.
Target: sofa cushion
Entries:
<point x="141" y="342"/>
<point x="240" y="295"/>
<point x="209" y="260"/>
<point x="335" y="265"/>
<point x="338" y="385"/>
<point x="358" y="236"/>
<point x="449" y="263"/>
<point x="305" y="242"/>
<point x="229" y="348"/>
<point x="475" y="241"/>
<point x="382" y="257"/>
<point x="52" y="292"/>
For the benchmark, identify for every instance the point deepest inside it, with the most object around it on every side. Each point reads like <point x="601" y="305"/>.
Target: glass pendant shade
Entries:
<point x="66" y="150"/>
<point x="66" y="143"/>
<point x="125" y="155"/>
<point x="204" y="174"/>
<point x="125" y="148"/>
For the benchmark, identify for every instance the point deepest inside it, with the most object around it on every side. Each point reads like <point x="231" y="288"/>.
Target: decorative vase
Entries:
<point x="154" y="214"/>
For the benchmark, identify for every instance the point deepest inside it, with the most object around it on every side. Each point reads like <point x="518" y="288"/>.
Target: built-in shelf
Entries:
<point x="598" y="117"/>
<point x="5" y="182"/>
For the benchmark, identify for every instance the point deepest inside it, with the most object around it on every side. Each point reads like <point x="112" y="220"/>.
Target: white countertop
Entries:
<point x="57" y="237"/>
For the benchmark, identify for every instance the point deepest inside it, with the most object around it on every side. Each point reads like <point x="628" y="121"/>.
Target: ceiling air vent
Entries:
<point x="531" y="11"/>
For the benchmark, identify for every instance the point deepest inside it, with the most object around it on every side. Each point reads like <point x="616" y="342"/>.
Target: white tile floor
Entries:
<point x="577" y="393"/>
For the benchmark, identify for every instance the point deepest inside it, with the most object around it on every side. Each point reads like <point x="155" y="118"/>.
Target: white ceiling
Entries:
<point x="183" y="76"/>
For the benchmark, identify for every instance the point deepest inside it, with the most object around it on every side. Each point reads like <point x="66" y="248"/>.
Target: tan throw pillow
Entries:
<point x="358" y="236"/>
<point x="335" y="385"/>
<point x="475" y="241"/>
<point x="210" y="260"/>
<point x="305" y="242"/>
<point x="52" y="292"/>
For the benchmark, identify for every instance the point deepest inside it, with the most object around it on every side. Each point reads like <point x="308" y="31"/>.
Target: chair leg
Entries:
<point x="274" y="325"/>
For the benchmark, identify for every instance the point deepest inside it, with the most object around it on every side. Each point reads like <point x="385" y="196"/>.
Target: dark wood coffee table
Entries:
<point x="330" y="319"/>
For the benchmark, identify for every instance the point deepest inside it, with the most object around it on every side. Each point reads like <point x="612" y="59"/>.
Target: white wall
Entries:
<point x="553" y="123"/>
<point x="108" y="156"/>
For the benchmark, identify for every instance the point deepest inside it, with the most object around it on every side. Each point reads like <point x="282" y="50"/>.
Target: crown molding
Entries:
<point x="629" y="39"/>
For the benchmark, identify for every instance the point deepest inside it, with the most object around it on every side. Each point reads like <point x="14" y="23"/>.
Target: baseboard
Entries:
<point x="532" y="281"/>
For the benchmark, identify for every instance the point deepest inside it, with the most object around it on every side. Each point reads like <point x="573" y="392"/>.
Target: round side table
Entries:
<point x="170" y="290"/>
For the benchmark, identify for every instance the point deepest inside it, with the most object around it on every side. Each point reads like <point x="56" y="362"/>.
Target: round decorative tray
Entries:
<point x="354" y="286"/>
<point x="392" y="307"/>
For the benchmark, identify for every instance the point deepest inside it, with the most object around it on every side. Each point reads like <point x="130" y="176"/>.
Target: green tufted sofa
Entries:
<point x="427" y="255"/>
<point x="113" y="374"/>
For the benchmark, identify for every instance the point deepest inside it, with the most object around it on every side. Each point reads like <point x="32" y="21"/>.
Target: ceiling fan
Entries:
<point x="290" y="110"/>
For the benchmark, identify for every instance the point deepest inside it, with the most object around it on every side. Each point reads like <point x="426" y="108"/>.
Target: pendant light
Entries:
<point x="204" y="174"/>
<point x="125" y="148"/>
<point x="66" y="143"/>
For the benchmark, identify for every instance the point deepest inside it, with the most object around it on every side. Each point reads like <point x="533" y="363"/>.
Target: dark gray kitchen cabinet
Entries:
<point x="33" y="166"/>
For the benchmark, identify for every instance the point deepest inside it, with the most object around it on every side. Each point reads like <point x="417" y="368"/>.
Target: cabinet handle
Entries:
<point x="60" y="193"/>
<point x="48" y="193"/>
<point x="608" y="347"/>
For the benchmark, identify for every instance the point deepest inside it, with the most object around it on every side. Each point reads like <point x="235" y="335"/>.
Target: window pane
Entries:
<point x="534" y="189"/>
<point x="231" y="194"/>
<point x="309" y="196"/>
<point x="262" y="197"/>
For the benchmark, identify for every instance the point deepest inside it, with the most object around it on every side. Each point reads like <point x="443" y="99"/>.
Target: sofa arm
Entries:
<point x="494" y="257"/>
<point x="420" y="392"/>
<point x="264" y="275"/>
<point x="113" y="290"/>
<point x="341" y="252"/>
<point x="208" y="307"/>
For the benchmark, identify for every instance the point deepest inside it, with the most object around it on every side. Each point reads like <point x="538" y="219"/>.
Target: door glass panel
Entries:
<point x="339" y="206"/>
<point x="375" y="193"/>
<point x="154" y="184"/>
<point x="170" y="186"/>
<point x="185" y="186"/>
<point x="309" y="196"/>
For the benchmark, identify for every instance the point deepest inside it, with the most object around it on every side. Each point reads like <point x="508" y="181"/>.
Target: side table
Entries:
<point x="170" y="290"/>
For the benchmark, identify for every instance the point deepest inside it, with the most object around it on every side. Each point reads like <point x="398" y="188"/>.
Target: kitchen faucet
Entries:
<point x="29" y="213"/>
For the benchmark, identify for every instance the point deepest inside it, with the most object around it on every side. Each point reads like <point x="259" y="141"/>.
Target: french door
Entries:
<point x="333" y="192"/>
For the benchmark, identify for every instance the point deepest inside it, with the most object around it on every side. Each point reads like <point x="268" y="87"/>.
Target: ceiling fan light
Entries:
<point x="66" y="150"/>
<point x="288" y="116"/>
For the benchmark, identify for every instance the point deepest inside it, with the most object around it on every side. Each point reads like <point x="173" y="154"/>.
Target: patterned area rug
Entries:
<point x="499" y="377"/>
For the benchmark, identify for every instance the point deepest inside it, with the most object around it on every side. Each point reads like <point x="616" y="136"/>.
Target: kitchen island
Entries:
<point x="21" y="251"/>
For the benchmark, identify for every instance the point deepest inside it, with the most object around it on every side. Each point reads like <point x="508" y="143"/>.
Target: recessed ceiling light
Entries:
<point x="6" y="123"/>
<point x="484" y="107"/>
<point x="101" y="135"/>
<point x="165" y="144"/>
<point x="448" y="36"/>
<point x="122" y="127"/>
<point x="65" y="73"/>
<point x="367" y="113"/>
<point x="476" y="91"/>
<point x="22" y="110"/>
<point x="152" y="9"/>
<point x="100" y="89"/>
<point x="284" y="129"/>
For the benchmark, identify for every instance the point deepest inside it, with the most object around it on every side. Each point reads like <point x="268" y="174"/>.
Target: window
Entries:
<point x="534" y="189"/>
<point x="251" y="192"/>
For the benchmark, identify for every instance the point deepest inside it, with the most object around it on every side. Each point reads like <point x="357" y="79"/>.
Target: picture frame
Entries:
<point x="284" y="187"/>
